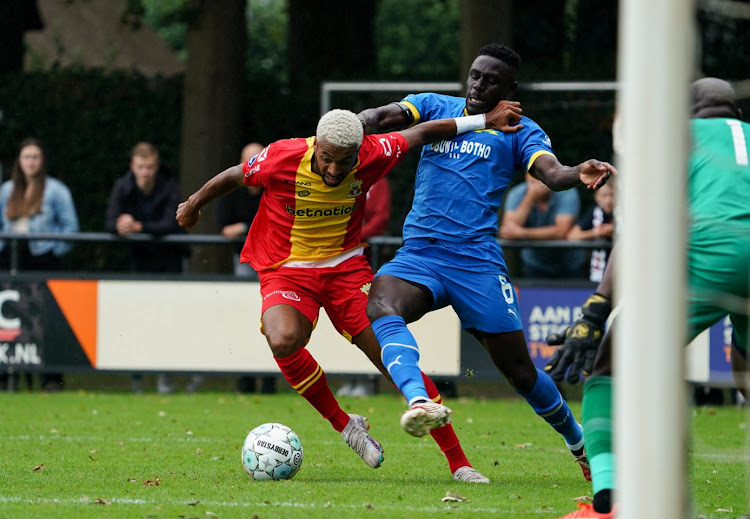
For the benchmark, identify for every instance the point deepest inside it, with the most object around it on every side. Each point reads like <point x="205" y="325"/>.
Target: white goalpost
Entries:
<point x="656" y="49"/>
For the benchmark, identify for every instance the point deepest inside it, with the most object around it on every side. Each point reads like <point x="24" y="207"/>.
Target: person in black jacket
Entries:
<point x="144" y="200"/>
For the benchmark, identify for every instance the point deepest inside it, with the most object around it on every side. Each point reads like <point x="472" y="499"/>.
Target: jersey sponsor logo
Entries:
<point x="317" y="213"/>
<point x="476" y="148"/>
<point x="298" y="183"/>
<point x="467" y="147"/>
<point x="303" y="193"/>
<point x="286" y="294"/>
<point x="355" y="189"/>
<point x="547" y="141"/>
<point x="444" y="146"/>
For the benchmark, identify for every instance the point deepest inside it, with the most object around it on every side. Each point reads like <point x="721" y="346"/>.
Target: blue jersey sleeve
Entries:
<point x="430" y="106"/>
<point x="532" y="141"/>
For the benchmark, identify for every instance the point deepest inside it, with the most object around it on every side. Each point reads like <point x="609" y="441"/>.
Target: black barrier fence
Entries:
<point x="378" y="244"/>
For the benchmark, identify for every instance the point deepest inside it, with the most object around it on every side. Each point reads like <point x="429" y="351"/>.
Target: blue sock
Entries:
<point x="400" y="355"/>
<point x="548" y="403"/>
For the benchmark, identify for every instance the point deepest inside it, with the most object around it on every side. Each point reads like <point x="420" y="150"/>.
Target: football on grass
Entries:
<point x="272" y="451"/>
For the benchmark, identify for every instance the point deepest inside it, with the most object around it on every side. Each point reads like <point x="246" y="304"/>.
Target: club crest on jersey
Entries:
<point x="365" y="289"/>
<point x="355" y="189"/>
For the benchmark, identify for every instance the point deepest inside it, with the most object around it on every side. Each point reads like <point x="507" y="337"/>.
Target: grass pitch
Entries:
<point x="107" y="455"/>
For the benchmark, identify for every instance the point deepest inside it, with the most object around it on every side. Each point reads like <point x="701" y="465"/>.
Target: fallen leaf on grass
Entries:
<point x="152" y="482"/>
<point x="449" y="496"/>
<point x="101" y="501"/>
<point x="727" y="510"/>
<point x="523" y="445"/>
<point x="194" y="503"/>
<point x="38" y="468"/>
<point x="582" y="498"/>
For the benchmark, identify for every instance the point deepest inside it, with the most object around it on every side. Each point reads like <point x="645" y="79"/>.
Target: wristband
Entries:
<point x="469" y="123"/>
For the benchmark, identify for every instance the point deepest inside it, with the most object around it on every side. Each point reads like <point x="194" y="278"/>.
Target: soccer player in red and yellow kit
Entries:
<point x="305" y="243"/>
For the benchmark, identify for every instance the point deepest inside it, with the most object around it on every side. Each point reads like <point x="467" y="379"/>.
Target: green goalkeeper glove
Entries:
<point x="579" y="341"/>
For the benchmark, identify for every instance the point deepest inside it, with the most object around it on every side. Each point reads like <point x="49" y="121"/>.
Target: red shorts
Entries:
<point x="341" y="290"/>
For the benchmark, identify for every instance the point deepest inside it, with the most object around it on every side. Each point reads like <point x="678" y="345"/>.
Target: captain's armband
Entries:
<point x="407" y="113"/>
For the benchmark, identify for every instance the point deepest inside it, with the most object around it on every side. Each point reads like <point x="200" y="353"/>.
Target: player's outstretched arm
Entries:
<point x="189" y="211"/>
<point x="592" y="173"/>
<point x="504" y="117"/>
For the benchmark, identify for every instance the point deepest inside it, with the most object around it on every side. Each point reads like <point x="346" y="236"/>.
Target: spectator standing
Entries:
<point x="144" y="200"/>
<point x="32" y="202"/>
<point x="534" y="212"/>
<point x="597" y="224"/>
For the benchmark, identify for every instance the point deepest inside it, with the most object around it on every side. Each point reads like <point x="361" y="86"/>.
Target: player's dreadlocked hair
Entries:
<point x="340" y="128"/>
<point x="503" y="53"/>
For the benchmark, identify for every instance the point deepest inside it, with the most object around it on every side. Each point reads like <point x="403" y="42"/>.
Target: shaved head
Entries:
<point x="713" y="97"/>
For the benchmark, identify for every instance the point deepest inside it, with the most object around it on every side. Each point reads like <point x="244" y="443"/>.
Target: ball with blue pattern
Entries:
<point x="272" y="451"/>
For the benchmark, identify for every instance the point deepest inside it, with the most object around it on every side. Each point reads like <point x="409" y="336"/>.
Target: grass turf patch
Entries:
<point x="101" y="455"/>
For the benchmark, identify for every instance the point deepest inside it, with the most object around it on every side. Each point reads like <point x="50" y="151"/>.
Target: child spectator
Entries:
<point x="597" y="224"/>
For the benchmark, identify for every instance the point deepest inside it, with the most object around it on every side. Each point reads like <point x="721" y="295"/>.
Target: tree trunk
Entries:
<point x="483" y="22"/>
<point x="16" y="17"/>
<point x="212" y="109"/>
<point x="328" y="40"/>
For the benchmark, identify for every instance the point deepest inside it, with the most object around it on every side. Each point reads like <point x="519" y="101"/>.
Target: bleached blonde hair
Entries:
<point x="340" y="128"/>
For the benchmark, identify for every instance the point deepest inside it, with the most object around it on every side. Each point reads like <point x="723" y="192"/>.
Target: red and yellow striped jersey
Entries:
<point x="302" y="219"/>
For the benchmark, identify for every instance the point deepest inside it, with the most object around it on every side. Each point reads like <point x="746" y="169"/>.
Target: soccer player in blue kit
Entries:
<point x="450" y="254"/>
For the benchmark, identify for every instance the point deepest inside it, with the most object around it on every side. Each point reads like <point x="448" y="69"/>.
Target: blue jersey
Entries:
<point x="461" y="182"/>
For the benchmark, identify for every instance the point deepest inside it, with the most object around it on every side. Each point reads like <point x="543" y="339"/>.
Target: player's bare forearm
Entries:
<point x="592" y="173"/>
<point x="383" y="118"/>
<point x="188" y="212"/>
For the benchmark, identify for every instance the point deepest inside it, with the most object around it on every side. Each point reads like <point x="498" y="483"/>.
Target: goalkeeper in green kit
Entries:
<point x="718" y="275"/>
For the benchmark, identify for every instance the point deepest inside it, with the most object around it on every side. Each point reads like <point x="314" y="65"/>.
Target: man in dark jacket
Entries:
<point x="144" y="200"/>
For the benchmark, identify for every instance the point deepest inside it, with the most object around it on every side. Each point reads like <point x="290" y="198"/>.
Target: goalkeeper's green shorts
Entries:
<point x="719" y="281"/>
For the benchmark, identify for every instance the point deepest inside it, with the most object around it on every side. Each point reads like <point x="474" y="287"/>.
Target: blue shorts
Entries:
<point x="471" y="277"/>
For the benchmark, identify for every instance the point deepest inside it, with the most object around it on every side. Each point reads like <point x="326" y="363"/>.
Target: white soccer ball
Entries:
<point x="272" y="451"/>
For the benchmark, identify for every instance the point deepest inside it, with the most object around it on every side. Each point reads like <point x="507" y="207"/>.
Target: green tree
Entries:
<point x="417" y="40"/>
